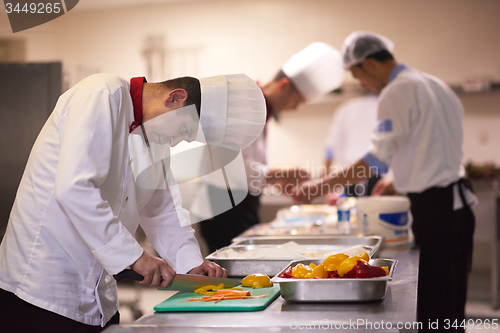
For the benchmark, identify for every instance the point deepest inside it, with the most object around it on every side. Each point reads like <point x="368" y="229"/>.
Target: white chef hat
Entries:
<point x="315" y="71"/>
<point x="233" y="111"/>
<point x="360" y="44"/>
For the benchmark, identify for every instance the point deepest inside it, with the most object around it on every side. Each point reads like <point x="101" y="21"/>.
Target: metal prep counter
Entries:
<point x="399" y="306"/>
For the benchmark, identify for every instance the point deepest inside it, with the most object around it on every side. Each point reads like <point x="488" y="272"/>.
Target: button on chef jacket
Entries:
<point x="78" y="206"/>
<point x="419" y="133"/>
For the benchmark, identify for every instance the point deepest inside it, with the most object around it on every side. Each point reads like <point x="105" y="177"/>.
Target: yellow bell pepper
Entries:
<point x="300" y="271"/>
<point x="318" y="272"/>
<point x="258" y="280"/>
<point x="350" y="262"/>
<point x="205" y="289"/>
<point x="364" y="256"/>
<point x="333" y="262"/>
<point x="347" y="265"/>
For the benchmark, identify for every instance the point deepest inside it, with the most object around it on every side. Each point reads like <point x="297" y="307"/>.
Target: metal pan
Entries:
<point x="290" y="229"/>
<point x="341" y="241"/>
<point x="271" y="266"/>
<point x="335" y="290"/>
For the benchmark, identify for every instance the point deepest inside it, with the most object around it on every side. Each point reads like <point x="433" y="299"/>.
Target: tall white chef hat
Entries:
<point x="315" y="71"/>
<point x="233" y="111"/>
<point x="360" y="44"/>
<point x="232" y="116"/>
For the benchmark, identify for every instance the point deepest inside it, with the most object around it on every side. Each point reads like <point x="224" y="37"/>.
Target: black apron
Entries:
<point x="20" y="316"/>
<point x="220" y="230"/>
<point x="445" y="240"/>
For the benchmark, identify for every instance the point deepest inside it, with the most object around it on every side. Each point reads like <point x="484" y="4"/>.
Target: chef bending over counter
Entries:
<point x="97" y="170"/>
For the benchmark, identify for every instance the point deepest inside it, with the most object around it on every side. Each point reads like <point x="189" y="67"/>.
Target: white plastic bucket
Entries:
<point x="387" y="216"/>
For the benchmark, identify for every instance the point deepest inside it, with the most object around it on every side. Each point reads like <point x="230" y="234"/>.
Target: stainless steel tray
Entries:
<point x="290" y="229"/>
<point x="271" y="266"/>
<point x="298" y="228"/>
<point x="335" y="290"/>
<point x="341" y="241"/>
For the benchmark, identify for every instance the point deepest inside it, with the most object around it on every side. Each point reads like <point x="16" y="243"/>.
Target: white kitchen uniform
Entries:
<point x="313" y="71"/>
<point x="351" y="131"/>
<point x="77" y="207"/>
<point x="419" y="133"/>
<point x="255" y="157"/>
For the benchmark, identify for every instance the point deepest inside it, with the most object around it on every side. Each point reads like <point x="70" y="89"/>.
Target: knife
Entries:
<point x="182" y="282"/>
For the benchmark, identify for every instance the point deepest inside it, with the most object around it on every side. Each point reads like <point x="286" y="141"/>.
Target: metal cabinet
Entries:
<point x="28" y="94"/>
<point x="486" y="237"/>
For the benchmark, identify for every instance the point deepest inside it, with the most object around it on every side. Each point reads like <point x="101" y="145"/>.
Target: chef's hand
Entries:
<point x="307" y="191"/>
<point x="209" y="268"/>
<point x="332" y="198"/>
<point x="383" y="187"/>
<point x="154" y="269"/>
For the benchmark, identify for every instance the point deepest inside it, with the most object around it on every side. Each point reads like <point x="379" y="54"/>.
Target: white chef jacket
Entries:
<point x="255" y="158"/>
<point x="351" y="130"/>
<point x="250" y="161"/>
<point x="78" y="206"/>
<point x="419" y="133"/>
<point x="255" y="163"/>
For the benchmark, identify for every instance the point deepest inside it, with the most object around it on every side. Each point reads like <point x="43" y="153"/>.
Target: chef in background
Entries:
<point x="350" y="131"/>
<point x="306" y="76"/>
<point x="349" y="137"/>
<point x="419" y="135"/>
<point x="80" y="199"/>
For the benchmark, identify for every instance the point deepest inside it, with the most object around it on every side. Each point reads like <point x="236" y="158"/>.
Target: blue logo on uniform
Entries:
<point x="385" y="126"/>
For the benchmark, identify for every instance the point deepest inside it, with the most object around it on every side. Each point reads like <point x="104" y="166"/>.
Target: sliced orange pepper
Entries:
<point x="333" y="262"/>
<point x="258" y="280"/>
<point x="318" y="272"/>
<point x="300" y="271"/>
<point x="349" y="263"/>
<point x="364" y="256"/>
<point x="205" y="289"/>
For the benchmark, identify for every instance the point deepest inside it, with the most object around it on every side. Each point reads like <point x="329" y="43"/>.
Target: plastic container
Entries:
<point x="343" y="213"/>
<point x="387" y="216"/>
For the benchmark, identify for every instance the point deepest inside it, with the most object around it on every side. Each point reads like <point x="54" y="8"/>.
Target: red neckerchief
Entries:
<point x="136" y="85"/>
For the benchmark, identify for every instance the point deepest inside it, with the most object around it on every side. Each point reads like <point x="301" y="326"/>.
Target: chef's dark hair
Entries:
<point x="380" y="56"/>
<point x="191" y="85"/>
<point x="281" y="75"/>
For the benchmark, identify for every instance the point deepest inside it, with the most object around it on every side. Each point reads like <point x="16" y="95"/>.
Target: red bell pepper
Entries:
<point x="287" y="273"/>
<point x="364" y="271"/>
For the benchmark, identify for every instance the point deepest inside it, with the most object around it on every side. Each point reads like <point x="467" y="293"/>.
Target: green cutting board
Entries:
<point x="251" y="304"/>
